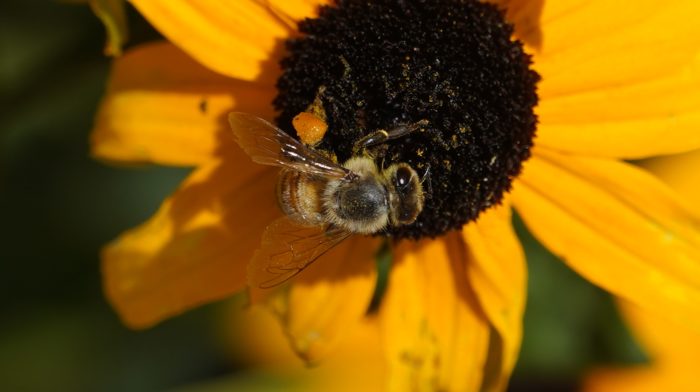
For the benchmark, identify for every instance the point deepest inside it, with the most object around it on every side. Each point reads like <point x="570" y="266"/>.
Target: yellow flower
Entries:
<point x="673" y="349"/>
<point x="617" y="82"/>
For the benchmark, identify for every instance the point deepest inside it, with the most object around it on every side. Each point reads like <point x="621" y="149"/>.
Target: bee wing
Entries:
<point x="269" y="145"/>
<point x="287" y="249"/>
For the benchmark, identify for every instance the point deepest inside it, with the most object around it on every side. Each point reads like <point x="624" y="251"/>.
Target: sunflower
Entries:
<point x="615" y="83"/>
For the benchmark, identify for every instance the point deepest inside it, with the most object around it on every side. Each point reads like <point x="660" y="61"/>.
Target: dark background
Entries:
<point x="58" y="207"/>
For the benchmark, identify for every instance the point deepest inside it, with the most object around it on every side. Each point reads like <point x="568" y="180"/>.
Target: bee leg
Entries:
<point x="374" y="138"/>
<point x="381" y="136"/>
<point x="316" y="107"/>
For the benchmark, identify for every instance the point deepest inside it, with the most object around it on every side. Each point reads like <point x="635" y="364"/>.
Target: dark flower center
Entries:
<point x="453" y="63"/>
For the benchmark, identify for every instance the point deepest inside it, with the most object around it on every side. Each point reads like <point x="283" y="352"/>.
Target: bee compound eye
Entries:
<point x="402" y="177"/>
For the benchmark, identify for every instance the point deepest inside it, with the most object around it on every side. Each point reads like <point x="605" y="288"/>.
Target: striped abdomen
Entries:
<point x="299" y="197"/>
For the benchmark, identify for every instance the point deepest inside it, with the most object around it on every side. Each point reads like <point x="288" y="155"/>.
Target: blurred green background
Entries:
<point x="58" y="207"/>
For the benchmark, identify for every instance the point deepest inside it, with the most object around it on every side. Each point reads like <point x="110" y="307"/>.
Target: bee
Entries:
<point x="324" y="202"/>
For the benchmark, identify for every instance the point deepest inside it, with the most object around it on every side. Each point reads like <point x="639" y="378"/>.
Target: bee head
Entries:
<point x="406" y="194"/>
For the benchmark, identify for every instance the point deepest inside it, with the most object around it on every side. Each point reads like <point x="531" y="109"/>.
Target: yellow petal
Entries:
<point x="590" y="44"/>
<point x="355" y="365"/>
<point x="618" y="226"/>
<point x="619" y="81"/>
<point x="668" y="344"/>
<point x="196" y="247"/>
<point x="292" y="11"/>
<point x="672" y="348"/>
<point x="497" y="273"/>
<point x="112" y="15"/>
<point x="674" y="353"/>
<point x="637" y="120"/>
<point x="241" y="39"/>
<point x="329" y="298"/>
<point x="525" y="17"/>
<point x="435" y="336"/>
<point x="637" y="379"/>
<point x="163" y="107"/>
<point x="681" y="172"/>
